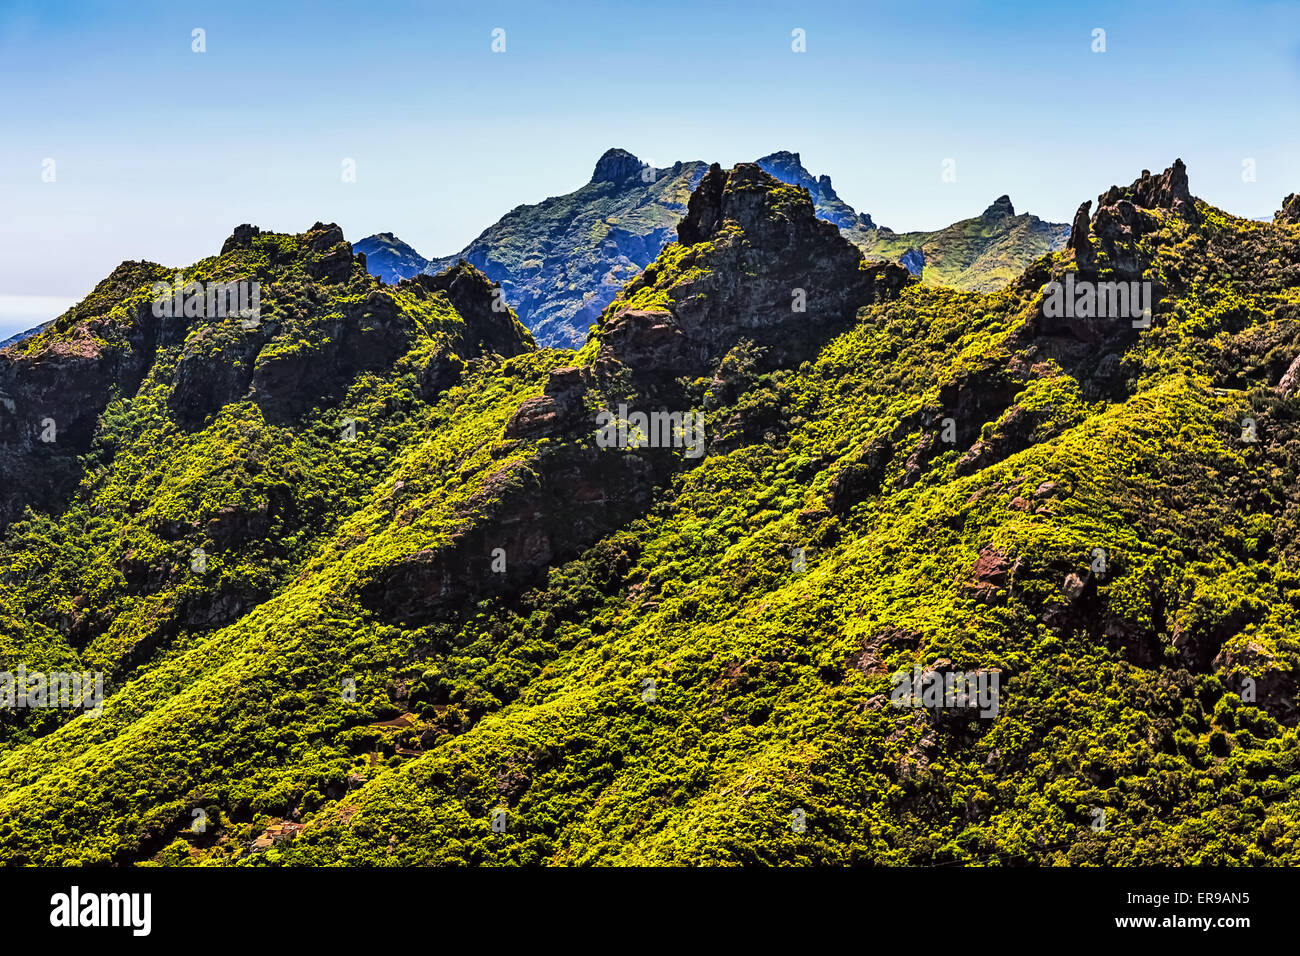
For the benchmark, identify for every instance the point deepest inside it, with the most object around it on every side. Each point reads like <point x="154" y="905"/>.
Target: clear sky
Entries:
<point x="160" y="151"/>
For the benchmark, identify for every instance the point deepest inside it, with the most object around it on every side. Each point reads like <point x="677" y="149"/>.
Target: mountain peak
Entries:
<point x="785" y="166"/>
<point x="1169" y="190"/>
<point x="389" y="258"/>
<point x="1001" y="208"/>
<point x="614" y="166"/>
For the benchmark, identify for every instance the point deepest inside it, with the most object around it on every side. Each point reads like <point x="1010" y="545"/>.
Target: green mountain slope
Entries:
<point x="981" y="254"/>
<point x="472" y="635"/>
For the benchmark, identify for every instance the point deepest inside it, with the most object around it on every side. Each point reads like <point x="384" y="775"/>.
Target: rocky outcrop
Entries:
<point x="616" y="166"/>
<point x="241" y="238"/>
<point x="1289" y="214"/>
<point x="1079" y="232"/>
<point x="861" y="478"/>
<point x="558" y="409"/>
<point x="1169" y="190"/>
<point x="761" y="266"/>
<point x="528" y="516"/>
<point x="1000" y="208"/>
<point x="54" y="386"/>
<point x="491" y="326"/>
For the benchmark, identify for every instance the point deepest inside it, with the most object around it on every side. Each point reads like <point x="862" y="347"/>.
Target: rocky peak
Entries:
<point x="323" y="235"/>
<point x="1169" y="190"/>
<point x="1001" y="209"/>
<point x="785" y="166"/>
<point x="704" y="208"/>
<point x="1078" y="240"/>
<point x="811" y="283"/>
<point x="241" y="238"/>
<point x="615" y="166"/>
<point x="1290" y="211"/>
<point x="490" y="325"/>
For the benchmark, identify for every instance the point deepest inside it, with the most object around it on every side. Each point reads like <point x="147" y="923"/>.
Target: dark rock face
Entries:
<point x="704" y="211"/>
<point x="374" y="333"/>
<point x="241" y="238"/>
<point x="215" y="369"/>
<point x="491" y="327"/>
<point x="861" y="478"/>
<point x="1078" y="240"/>
<point x="1107" y="249"/>
<point x="557" y="410"/>
<point x="766" y="269"/>
<point x="1000" y="209"/>
<point x="616" y="166"/>
<point x="535" y="513"/>
<point x="1290" y="211"/>
<point x="1169" y="190"/>
<point x="54" y="387"/>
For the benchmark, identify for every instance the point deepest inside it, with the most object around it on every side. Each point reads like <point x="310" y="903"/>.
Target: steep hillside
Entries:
<point x="474" y="634"/>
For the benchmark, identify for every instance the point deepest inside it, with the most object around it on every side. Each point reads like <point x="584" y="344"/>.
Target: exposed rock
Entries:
<point x="1001" y="208"/>
<point x="1078" y="240"/>
<point x="558" y="409"/>
<point x="776" y="275"/>
<point x="1074" y="585"/>
<point x="991" y="573"/>
<point x="1290" y="379"/>
<point x="241" y="238"/>
<point x="1290" y="211"/>
<point x="1169" y="190"/>
<point x="615" y="166"/>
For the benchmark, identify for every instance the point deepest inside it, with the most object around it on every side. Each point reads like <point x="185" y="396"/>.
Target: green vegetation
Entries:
<point x="672" y="690"/>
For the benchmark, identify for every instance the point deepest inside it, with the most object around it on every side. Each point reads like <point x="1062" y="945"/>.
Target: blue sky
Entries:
<point x="159" y="151"/>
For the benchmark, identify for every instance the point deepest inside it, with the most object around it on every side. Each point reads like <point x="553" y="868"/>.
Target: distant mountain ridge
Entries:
<point x="561" y="261"/>
<point x="981" y="254"/>
<point x="390" y="258"/>
<point x="23" y="336"/>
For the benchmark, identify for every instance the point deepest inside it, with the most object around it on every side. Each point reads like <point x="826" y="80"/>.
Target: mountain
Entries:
<point x="789" y="169"/>
<point x="562" y="261"/>
<point x="377" y="581"/>
<point x="981" y="254"/>
<point x="21" y="336"/>
<point x="390" y="258"/>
